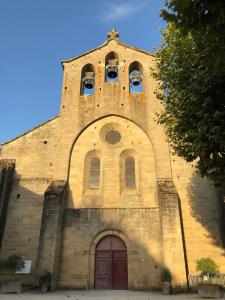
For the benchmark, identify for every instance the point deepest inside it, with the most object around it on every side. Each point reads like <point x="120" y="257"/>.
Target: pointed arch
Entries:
<point x="145" y="166"/>
<point x="90" y="124"/>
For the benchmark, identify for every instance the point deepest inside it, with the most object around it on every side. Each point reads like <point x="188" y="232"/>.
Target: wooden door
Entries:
<point x="111" y="264"/>
<point x="103" y="270"/>
<point x="119" y="270"/>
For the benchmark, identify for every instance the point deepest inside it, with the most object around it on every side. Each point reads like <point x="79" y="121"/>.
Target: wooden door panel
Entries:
<point x="119" y="270"/>
<point x="103" y="267"/>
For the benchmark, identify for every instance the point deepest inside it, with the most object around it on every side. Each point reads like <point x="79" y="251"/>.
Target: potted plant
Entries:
<point x="10" y="265"/>
<point x="207" y="289"/>
<point x="166" y="279"/>
<point x="45" y="278"/>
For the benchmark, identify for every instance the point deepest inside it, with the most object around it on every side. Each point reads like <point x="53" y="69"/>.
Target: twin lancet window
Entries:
<point x="111" y="75"/>
<point x="129" y="172"/>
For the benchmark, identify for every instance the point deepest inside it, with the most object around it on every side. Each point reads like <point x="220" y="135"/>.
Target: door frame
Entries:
<point x="91" y="253"/>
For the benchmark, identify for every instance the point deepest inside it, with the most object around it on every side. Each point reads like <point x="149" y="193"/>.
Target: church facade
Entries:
<point x="95" y="195"/>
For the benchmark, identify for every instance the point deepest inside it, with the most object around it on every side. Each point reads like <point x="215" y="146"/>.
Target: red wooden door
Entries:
<point x="119" y="270"/>
<point x="111" y="264"/>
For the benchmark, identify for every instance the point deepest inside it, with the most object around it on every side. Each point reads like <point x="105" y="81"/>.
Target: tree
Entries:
<point x="191" y="69"/>
<point x="206" y="266"/>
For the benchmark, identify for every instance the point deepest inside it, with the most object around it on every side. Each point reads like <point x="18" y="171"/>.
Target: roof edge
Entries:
<point x="85" y="53"/>
<point x="30" y="130"/>
<point x="103" y="45"/>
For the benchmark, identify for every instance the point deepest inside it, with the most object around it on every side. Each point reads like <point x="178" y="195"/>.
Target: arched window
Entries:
<point x="130" y="178"/>
<point x="111" y="67"/>
<point x="94" y="176"/>
<point x="135" y="77"/>
<point x="87" y="80"/>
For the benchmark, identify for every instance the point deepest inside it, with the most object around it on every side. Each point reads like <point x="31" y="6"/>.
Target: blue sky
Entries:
<point x="35" y="36"/>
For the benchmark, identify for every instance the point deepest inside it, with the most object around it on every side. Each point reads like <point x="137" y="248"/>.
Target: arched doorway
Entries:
<point x="111" y="264"/>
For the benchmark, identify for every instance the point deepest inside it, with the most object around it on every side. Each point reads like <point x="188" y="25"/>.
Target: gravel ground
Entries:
<point x="95" y="295"/>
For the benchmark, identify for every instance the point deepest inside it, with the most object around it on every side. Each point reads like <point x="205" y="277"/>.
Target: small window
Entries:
<point x="94" y="172"/>
<point x="130" y="180"/>
<point x="113" y="137"/>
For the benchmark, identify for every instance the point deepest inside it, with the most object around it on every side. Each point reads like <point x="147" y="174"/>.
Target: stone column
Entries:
<point x="7" y="167"/>
<point x="172" y="233"/>
<point x="51" y="230"/>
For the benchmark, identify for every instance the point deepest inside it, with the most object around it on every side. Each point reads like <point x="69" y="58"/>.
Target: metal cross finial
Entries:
<point x="114" y="34"/>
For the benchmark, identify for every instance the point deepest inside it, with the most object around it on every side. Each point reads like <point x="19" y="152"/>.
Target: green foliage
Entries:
<point x="45" y="277"/>
<point x="206" y="266"/>
<point x="191" y="68"/>
<point x="45" y="281"/>
<point x="196" y="15"/>
<point x="166" y="275"/>
<point x="12" y="263"/>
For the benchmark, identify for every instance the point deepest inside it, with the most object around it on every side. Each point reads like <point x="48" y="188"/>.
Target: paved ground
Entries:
<point x="96" y="295"/>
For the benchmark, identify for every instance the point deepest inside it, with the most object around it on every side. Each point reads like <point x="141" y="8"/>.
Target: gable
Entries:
<point x="116" y="43"/>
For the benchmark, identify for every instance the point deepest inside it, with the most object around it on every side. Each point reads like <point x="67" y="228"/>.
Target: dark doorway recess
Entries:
<point x="111" y="264"/>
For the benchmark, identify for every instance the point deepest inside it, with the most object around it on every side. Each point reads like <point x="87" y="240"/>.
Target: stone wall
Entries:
<point x="202" y="217"/>
<point x="140" y="230"/>
<point x="51" y="230"/>
<point x="174" y="247"/>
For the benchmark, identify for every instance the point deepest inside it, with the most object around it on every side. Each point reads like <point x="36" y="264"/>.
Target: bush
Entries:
<point x="45" y="281"/>
<point x="206" y="266"/>
<point x="166" y="276"/>
<point x="12" y="263"/>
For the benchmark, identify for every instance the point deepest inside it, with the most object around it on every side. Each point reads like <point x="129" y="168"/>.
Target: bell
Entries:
<point x="89" y="80"/>
<point x="112" y="72"/>
<point x="88" y="83"/>
<point x="112" y="68"/>
<point x="135" y="78"/>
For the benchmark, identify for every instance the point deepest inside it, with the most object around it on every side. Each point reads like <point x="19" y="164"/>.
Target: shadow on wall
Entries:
<point x="80" y="228"/>
<point x="23" y="221"/>
<point x="83" y="226"/>
<point x="207" y="208"/>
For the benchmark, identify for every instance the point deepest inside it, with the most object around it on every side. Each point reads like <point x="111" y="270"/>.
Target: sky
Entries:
<point x="35" y="36"/>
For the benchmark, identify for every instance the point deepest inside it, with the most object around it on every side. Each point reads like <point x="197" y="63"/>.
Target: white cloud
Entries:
<point x="115" y="11"/>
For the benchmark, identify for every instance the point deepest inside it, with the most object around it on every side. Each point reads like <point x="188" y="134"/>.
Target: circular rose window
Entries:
<point x="113" y="137"/>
